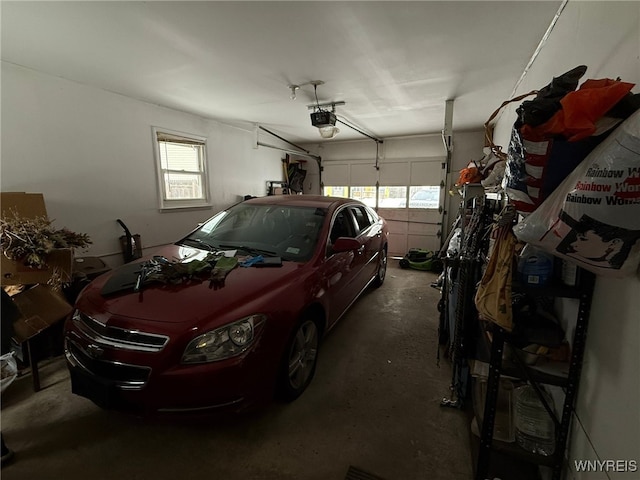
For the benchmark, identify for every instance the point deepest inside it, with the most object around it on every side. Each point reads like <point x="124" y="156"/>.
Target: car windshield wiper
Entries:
<point x="254" y="251"/>
<point x="201" y="243"/>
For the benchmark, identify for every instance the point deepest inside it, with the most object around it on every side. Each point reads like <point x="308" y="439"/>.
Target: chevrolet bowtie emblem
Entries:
<point x="94" y="351"/>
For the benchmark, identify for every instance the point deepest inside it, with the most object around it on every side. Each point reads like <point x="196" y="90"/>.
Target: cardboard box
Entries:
<point x="29" y="205"/>
<point x="40" y="307"/>
<point x="15" y="273"/>
<point x="60" y="261"/>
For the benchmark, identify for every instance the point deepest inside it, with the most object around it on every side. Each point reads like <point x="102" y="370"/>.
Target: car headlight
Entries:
<point x="223" y="342"/>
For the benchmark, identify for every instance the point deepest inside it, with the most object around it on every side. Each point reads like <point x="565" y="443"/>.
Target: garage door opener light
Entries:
<point x="325" y="120"/>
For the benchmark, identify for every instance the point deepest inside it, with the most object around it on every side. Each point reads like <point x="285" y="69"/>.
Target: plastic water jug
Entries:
<point x="535" y="266"/>
<point x="535" y="430"/>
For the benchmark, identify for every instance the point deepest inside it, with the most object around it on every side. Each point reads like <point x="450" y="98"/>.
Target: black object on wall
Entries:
<point x="131" y="244"/>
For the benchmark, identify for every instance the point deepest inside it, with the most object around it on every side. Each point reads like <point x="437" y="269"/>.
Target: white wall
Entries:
<point x="90" y="152"/>
<point x="605" y="36"/>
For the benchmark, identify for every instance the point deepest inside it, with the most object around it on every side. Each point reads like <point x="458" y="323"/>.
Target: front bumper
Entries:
<point x="108" y="395"/>
<point x="138" y="381"/>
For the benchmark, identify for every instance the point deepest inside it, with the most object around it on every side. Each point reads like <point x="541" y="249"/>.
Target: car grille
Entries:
<point x="115" y="337"/>
<point x="125" y="376"/>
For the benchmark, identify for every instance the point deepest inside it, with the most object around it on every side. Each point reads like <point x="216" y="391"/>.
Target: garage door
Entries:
<point x="408" y="193"/>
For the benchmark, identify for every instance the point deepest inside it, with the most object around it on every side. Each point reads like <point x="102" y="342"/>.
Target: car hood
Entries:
<point x="245" y="289"/>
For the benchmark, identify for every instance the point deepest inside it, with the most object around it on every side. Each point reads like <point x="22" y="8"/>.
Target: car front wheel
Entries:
<point x="382" y="268"/>
<point x="300" y="360"/>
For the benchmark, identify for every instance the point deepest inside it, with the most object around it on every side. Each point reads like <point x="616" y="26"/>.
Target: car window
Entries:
<point x="285" y="231"/>
<point x="362" y="219"/>
<point x="373" y="216"/>
<point x="342" y="226"/>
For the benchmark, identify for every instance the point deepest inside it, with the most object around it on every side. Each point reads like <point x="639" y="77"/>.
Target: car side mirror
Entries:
<point x="345" y="244"/>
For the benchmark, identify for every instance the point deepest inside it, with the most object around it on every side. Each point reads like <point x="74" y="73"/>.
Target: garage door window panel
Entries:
<point x="336" y="191"/>
<point x="392" y="196"/>
<point x="425" y="196"/>
<point x="366" y="194"/>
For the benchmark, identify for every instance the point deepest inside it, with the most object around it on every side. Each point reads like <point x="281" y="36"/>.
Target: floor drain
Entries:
<point x="357" y="474"/>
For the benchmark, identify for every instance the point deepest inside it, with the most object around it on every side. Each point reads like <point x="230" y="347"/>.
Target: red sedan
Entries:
<point x="230" y="314"/>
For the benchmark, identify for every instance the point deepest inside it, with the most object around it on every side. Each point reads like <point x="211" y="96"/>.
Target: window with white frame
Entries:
<point x="182" y="174"/>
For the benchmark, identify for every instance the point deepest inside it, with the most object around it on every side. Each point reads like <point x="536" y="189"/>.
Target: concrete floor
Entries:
<point x="374" y="405"/>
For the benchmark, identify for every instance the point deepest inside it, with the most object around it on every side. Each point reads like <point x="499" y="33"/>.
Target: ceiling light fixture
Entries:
<point x="328" y="131"/>
<point x="295" y="87"/>
<point x="325" y="122"/>
<point x="293" y="91"/>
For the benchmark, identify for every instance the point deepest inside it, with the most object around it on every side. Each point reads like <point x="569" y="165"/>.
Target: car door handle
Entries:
<point x="361" y="249"/>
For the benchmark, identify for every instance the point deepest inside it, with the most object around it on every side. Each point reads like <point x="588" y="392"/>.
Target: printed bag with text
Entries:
<point x="556" y="131"/>
<point x="593" y="217"/>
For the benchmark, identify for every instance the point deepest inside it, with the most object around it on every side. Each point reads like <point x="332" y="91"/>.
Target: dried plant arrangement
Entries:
<point x="31" y="240"/>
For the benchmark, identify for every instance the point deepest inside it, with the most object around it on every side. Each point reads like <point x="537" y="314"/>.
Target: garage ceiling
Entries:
<point x="394" y="64"/>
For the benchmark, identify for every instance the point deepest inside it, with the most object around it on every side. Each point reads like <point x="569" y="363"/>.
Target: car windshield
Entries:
<point x="269" y="230"/>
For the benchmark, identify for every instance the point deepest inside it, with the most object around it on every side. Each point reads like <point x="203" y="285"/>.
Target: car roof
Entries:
<point x="317" y="201"/>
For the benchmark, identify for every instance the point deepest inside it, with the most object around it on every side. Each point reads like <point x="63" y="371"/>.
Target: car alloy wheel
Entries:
<point x="382" y="268"/>
<point x="300" y="363"/>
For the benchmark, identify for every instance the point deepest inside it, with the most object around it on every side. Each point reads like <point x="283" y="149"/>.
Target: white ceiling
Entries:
<point x="393" y="63"/>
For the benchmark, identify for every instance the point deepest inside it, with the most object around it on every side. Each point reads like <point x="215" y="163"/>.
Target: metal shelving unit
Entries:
<point x="583" y="292"/>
